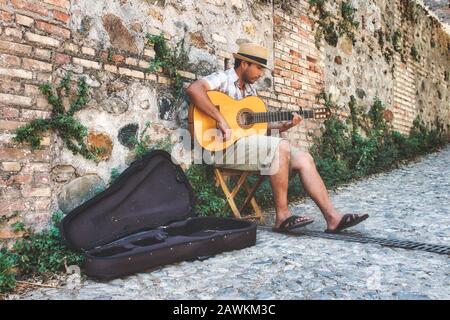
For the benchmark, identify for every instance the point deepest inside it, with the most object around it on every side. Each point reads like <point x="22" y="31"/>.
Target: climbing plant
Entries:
<point x="62" y="122"/>
<point x="409" y="10"/>
<point x="143" y="143"/>
<point x="285" y="5"/>
<point x="330" y="27"/>
<point x="415" y="54"/>
<point x="36" y="253"/>
<point x="347" y="24"/>
<point x="366" y="143"/>
<point x="169" y="62"/>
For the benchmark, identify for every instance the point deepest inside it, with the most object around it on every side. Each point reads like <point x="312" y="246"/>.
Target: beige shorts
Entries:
<point x="252" y="153"/>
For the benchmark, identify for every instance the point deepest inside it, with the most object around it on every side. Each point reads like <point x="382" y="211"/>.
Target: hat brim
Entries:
<point x="238" y="56"/>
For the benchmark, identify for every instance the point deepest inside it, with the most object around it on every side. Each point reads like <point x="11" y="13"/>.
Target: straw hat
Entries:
<point x="254" y="53"/>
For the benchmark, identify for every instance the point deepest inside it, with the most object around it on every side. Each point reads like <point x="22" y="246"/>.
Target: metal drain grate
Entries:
<point x="395" y="243"/>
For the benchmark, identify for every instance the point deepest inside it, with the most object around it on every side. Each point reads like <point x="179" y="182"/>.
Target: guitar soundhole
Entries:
<point x="245" y="118"/>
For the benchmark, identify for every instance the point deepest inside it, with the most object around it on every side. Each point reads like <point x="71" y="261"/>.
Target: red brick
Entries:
<point x="287" y="91"/>
<point x="12" y="154"/>
<point x="295" y="84"/>
<point x="41" y="204"/>
<point x="36" y="65"/>
<point x="11" y="206"/>
<point x="5" y="16"/>
<point x="24" y="20"/>
<point x="35" y="114"/>
<point x="19" y="179"/>
<point x="62" y="58"/>
<point x="10" y="192"/>
<point x="297" y="69"/>
<point x="36" y="192"/>
<point x="59" y="3"/>
<point x="53" y="29"/>
<point x="26" y="5"/>
<point x="276" y="20"/>
<point x="118" y="59"/>
<point x="42" y="179"/>
<point x="46" y="41"/>
<point x="286" y="74"/>
<point x="10" y="126"/>
<point x="9" y="113"/>
<point x="10" y="87"/>
<point x="11" y="47"/>
<point x="36" y="167"/>
<point x="61" y="16"/>
<point x="311" y="59"/>
<point x="295" y="53"/>
<point x="279" y="63"/>
<point x="7" y="60"/>
<point x="306" y="20"/>
<point x="40" y="155"/>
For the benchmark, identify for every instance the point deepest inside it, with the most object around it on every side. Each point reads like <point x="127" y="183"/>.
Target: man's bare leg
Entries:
<point x="303" y="162"/>
<point x="279" y="177"/>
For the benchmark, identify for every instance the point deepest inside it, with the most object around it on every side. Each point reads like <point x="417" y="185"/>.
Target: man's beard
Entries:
<point x="247" y="79"/>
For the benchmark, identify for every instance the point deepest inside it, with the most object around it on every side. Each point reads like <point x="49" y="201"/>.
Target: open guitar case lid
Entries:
<point x="147" y="219"/>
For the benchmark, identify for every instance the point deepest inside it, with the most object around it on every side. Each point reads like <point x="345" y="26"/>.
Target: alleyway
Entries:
<point x="411" y="203"/>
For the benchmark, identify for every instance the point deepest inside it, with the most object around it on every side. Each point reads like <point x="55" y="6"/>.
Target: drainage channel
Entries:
<point x="395" y="243"/>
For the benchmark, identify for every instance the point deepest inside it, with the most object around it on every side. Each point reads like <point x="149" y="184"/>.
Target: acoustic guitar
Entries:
<point x="245" y="117"/>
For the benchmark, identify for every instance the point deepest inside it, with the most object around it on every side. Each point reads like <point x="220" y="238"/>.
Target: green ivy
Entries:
<point x="415" y="54"/>
<point x="115" y="173"/>
<point x="36" y="253"/>
<point x="380" y="35"/>
<point x="110" y="55"/>
<point x="285" y="5"/>
<point x="329" y="27"/>
<point x="343" y="152"/>
<point x="347" y="24"/>
<point x="44" y="252"/>
<point x="70" y="130"/>
<point x="209" y="201"/>
<point x="143" y="144"/>
<point x="170" y="62"/>
<point x="396" y="38"/>
<point x="409" y="10"/>
<point x="7" y="275"/>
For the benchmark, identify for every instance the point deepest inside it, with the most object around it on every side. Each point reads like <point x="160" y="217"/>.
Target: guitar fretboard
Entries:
<point x="262" y="117"/>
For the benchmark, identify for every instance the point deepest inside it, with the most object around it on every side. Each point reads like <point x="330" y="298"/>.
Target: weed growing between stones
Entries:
<point x="331" y="28"/>
<point x="143" y="144"/>
<point x="364" y="144"/>
<point x="63" y="123"/>
<point x="170" y="62"/>
<point x="35" y="253"/>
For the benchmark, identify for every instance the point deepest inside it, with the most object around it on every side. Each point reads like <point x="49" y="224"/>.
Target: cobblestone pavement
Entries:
<point x="410" y="203"/>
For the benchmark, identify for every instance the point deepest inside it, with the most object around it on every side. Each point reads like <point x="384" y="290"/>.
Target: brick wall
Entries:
<point x="30" y="35"/>
<point x="35" y="42"/>
<point x="298" y="69"/>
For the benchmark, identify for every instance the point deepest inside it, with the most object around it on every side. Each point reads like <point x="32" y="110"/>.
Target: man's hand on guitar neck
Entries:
<point x="285" y="125"/>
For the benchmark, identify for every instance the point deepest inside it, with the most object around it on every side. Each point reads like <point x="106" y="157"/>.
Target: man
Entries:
<point x="250" y="64"/>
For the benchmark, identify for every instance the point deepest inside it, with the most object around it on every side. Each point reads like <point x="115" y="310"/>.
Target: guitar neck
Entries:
<point x="262" y="117"/>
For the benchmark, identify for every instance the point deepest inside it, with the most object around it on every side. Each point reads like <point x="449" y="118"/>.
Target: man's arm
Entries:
<point x="197" y="94"/>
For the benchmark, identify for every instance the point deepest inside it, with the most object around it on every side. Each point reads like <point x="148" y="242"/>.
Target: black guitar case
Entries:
<point x="147" y="219"/>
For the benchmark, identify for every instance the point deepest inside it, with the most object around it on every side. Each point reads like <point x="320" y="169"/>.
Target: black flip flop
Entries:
<point x="290" y="224"/>
<point x="347" y="221"/>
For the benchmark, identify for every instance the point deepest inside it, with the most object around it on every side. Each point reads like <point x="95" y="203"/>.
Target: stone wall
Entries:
<point x="105" y="41"/>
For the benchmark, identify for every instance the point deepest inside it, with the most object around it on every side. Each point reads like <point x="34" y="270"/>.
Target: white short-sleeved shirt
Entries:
<point x="228" y="83"/>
